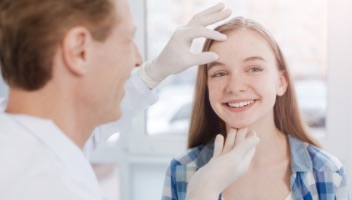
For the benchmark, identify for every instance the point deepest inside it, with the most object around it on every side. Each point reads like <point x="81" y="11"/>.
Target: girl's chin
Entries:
<point x="237" y="125"/>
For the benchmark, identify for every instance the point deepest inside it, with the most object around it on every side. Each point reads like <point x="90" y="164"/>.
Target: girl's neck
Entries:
<point x="273" y="145"/>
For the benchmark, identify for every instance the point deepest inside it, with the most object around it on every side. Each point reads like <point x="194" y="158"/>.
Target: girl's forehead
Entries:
<point x="243" y="43"/>
<point x="241" y="37"/>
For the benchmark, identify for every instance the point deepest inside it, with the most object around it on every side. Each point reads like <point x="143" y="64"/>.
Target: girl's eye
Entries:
<point x="255" y="69"/>
<point x="219" y="74"/>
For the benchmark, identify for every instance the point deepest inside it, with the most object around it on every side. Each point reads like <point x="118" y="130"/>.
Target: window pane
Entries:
<point x="301" y="32"/>
<point x="3" y="88"/>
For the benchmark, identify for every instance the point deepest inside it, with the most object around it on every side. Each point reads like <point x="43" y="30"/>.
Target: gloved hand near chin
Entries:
<point x="176" y="56"/>
<point x="230" y="161"/>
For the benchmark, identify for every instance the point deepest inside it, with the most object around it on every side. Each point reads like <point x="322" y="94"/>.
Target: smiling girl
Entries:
<point x="249" y="88"/>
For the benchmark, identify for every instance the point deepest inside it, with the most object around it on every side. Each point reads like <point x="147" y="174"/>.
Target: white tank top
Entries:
<point x="289" y="197"/>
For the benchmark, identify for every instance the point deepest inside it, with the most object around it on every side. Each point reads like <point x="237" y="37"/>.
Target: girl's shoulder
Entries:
<point x="319" y="171"/>
<point x="323" y="160"/>
<point x="306" y="155"/>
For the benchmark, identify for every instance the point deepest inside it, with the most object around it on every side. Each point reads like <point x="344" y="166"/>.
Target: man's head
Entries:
<point x="31" y="31"/>
<point x="80" y="48"/>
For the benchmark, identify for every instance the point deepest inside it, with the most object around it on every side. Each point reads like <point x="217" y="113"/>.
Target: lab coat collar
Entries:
<point x="64" y="148"/>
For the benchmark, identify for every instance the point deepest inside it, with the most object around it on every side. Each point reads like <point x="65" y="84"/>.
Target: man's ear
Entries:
<point x="283" y="84"/>
<point x="76" y="49"/>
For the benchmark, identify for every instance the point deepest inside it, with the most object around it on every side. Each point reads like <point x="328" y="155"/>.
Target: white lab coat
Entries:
<point x="38" y="161"/>
<point x="137" y="98"/>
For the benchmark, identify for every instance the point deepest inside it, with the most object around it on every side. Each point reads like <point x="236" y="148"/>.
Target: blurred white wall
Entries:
<point x="339" y="139"/>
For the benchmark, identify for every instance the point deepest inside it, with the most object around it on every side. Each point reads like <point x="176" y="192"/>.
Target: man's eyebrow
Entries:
<point x="213" y="64"/>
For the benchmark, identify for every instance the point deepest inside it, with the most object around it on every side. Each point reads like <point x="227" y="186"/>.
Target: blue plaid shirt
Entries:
<point x="315" y="173"/>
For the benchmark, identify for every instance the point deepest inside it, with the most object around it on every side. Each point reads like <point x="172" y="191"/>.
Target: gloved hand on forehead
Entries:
<point x="176" y="56"/>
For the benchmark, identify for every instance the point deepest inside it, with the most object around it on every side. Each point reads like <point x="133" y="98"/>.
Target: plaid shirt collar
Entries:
<point x="301" y="161"/>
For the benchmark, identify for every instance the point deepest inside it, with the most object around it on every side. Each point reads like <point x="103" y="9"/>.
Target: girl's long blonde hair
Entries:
<point x="205" y="124"/>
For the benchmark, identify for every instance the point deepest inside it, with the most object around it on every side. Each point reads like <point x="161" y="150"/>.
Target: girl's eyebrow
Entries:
<point x="254" y="58"/>
<point x="217" y="63"/>
<point x="213" y="64"/>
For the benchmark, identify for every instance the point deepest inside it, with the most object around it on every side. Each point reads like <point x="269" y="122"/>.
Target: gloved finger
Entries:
<point x="230" y="140"/>
<point x="218" y="145"/>
<point x="214" y="9"/>
<point x="251" y="133"/>
<point x="191" y="33"/>
<point x="211" y="15"/>
<point x="210" y="19"/>
<point x="247" y="158"/>
<point x="245" y="146"/>
<point x="202" y="58"/>
<point x="241" y="135"/>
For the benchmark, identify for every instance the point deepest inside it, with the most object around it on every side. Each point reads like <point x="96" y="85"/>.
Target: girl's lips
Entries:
<point x="239" y="106"/>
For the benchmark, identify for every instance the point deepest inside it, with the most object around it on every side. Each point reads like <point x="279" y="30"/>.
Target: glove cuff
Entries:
<point x="150" y="82"/>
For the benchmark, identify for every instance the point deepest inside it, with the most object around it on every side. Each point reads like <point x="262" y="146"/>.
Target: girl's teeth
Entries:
<point x="241" y="104"/>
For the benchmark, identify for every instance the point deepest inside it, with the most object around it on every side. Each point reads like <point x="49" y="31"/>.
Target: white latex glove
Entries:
<point x="176" y="55"/>
<point x="230" y="161"/>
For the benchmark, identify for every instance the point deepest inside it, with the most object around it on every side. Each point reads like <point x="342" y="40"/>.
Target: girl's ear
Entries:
<point x="283" y="84"/>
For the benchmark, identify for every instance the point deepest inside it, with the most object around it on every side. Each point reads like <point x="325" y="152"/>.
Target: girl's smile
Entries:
<point x="239" y="105"/>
